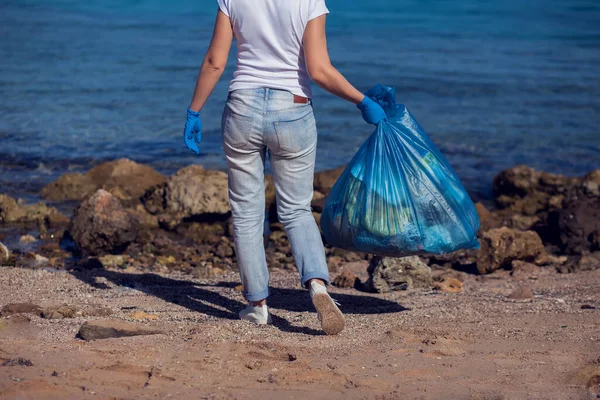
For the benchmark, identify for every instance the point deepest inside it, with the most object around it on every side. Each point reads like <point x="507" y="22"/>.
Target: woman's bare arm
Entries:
<point x="214" y="61"/>
<point x="319" y="65"/>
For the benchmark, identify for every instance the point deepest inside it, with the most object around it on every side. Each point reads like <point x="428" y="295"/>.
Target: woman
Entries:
<point x="281" y="46"/>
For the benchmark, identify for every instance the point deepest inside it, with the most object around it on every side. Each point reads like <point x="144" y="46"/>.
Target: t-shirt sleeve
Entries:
<point x="224" y="6"/>
<point x="317" y="8"/>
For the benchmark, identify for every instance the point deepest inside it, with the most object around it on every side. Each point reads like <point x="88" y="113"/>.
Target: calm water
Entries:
<point x="494" y="83"/>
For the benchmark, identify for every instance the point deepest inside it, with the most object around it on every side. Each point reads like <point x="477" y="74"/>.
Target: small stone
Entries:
<point x="112" y="328"/>
<point x="27" y="239"/>
<point x="449" y="285"/>
<point x="346" y="279"/>
<point x="59" y="312"/>
<point x="20" y="308"/>
<point x="521" y="293"/>
<point x="587" y="307"/>
<point x="239" y="288"/>
<point x="142" y="315"/>
<point x="388" y="274"/>
<point x="17" y="362"/>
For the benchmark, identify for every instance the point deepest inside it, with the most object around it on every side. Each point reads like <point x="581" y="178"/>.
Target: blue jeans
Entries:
<point x="254" y="121"/>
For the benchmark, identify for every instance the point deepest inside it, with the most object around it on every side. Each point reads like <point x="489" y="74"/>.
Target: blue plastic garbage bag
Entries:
<point x="398" y="196"/>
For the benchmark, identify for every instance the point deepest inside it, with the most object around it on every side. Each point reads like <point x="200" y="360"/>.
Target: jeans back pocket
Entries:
<point x="236" y="128"/>
<point x="296" y="135"/>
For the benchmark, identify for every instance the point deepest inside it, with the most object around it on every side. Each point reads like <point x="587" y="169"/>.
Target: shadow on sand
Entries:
<point x="200" y="298"/>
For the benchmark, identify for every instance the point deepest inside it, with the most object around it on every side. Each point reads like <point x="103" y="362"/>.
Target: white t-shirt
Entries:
<point x="269" y="41"/>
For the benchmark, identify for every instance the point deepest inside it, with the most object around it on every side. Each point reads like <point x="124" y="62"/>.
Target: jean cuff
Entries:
<point x="315" y="275"/>
<point x="257" y="296"/>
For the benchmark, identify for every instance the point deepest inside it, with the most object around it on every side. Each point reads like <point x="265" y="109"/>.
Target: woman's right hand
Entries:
<point x="192" y="133"/>
<point x="371" y="111"/>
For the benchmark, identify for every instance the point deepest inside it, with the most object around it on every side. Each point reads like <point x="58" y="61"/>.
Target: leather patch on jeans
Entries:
<point x="300" y="99"/>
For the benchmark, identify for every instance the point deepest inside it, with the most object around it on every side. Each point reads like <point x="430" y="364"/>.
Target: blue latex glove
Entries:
<point x="372" y="112"/>
<point x="192" y="133"/>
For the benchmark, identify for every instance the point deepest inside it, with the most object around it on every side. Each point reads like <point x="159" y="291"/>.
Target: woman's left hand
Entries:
<point x="192" y="133"/>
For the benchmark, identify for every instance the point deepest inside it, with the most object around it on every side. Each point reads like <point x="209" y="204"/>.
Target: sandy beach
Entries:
<point x="419" y="344"/>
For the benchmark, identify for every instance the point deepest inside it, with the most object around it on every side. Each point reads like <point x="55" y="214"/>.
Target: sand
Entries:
<point x="477" y="344"/>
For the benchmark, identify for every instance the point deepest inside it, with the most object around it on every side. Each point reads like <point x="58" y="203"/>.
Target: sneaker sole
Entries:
<point x="332" y="319"/>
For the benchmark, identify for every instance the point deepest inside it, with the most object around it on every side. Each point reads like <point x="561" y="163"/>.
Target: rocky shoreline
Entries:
<point x="135" y="293"/>
<point x="130" y="216"/>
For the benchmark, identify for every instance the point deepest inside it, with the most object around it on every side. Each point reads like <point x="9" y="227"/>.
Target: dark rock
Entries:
<point x="387" y="274"/>
<point x="527" y="191"/>
<point x="587" y="307"/>
<point x="499" y="247"/>
<point x="521" y="293"/>
<point x="325" y="180"/>
<point x="575" y="228"/>
<point x="72" y="186"/>
<point x="584" y="262"/>
<point x="101" y="225"/>
<point x="346" y="279"/>
<point x="20" y="308"/>
<point x="191" y="192"/>
<point x="17" y="362"/>
<point x="113" y="328"/>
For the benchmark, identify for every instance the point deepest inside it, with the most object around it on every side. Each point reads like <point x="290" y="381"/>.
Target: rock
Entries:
<point x="144" y="218"/>
<point x="113" y="328"/>
<point x="17" y="362"/>
<point x="334" y="263"/>
<point x="521" y="222"/>
<point x="4" y="253"/>
<point x="113" y="261"/>
<point x="60" y="312"/>
<point x="524" y="270"/>
<point x="346" y="279"/>
<point x="325" y="180"/>
<point x="13" y="211"/>
<point x="32" y="260"/>
<point x="225" y="248"/>
<point x="575" y="228"/>
<point x="191" y="192"/>
<point x="530" y="192"/>
<point x="591" y="184"/>
<point x="499" y="247"/>
<point x="20" y="308"/>
<point x="521" y="293"/>
<point x="387" y="274"/>
<point x="72" y="186"/>
<point x="487" y="220"/>
<point x="584" y="262"/>
<point x="101" y="225"/>
<point x="449" y="285"/>
<point x="26" y="239"/>
<point x="130" y="179"/>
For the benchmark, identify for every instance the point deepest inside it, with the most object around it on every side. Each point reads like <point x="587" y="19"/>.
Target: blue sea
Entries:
<point x="494" y="83"/>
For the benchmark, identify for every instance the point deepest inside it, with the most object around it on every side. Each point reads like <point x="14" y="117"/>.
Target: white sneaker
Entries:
<point x="258" y="315"/>
<point x="332" y="319"/>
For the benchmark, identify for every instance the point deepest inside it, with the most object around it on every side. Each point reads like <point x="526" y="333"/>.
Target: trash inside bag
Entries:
<point x="398" y="196"/>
